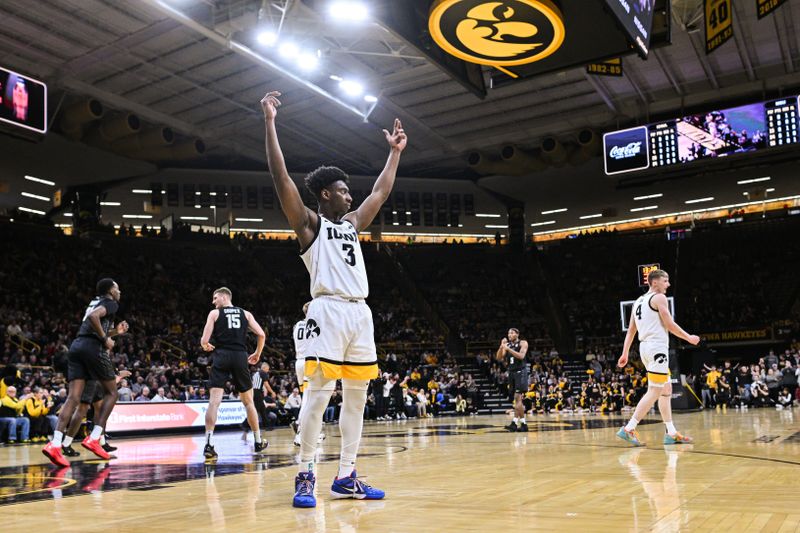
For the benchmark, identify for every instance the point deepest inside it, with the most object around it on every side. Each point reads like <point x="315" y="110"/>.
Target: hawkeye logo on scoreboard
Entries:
<point x="719" y="23"/>
<point x="612" y="67"/>
<point x="765" y="7"/>
<point x="498" y="34"/>
<point x="644" y="271"/>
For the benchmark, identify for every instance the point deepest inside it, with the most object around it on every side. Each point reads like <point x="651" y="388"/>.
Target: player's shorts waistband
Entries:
<point x="338" y="298"/>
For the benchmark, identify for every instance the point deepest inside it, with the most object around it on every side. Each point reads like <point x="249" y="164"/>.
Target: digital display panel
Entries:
<point x="709" y="135"/>
<point x="782" y="121"/>
<point x="23" y="101"/>
<point x="636" y="18"/>
<point x="626" y="150"/>
<point x="720" y="133"/>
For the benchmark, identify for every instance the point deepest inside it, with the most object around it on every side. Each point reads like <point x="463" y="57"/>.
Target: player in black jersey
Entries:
<point x="227" y="327"/>
<point x="514" y="350"/>
<point x="88" y="359"/>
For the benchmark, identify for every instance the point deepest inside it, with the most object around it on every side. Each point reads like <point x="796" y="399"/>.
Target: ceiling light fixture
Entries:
<point x="699" y="200"/>
<point x="40" y="180"/>
<point x="289" y="50"/>
<point x="753" y="180"/>
<point x="35" y="196"/>
<point x="348" y="11"/>
<point x="29" y="210"/>
<point x="647" y="197"/>
<point x="552" y="211"/>
<point x="267" y="38"/>
<point x="596" y="215"/>
<point x="352" y="88"/>
<point x="545" y="223"/>
<point x="645" y="208"/>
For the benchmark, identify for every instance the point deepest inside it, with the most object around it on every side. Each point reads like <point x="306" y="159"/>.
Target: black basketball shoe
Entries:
<point x="209" y="452"/>
<point x="69" y="451"/>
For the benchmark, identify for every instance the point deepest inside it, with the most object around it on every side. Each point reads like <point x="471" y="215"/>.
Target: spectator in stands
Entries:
<point x="723" y="395"/>
<point x="144" y="396"/>
<point x="37" y="408"/>
<point x="11" y="409"/>
<point x="125" y="393"/>
<point x="293" y="403"/>
<point x="785" y="399"/>
<point x="160" y="396"/>
<point x="773" y="381"/>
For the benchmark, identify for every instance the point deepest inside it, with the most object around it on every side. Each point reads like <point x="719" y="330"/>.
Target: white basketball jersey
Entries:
<point x="648" y="321"/>
<point x="335" y="263"/>
<point x="300" y="339"/>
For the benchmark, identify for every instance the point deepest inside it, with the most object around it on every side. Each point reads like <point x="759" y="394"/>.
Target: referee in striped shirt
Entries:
<point x="260" y="382"/>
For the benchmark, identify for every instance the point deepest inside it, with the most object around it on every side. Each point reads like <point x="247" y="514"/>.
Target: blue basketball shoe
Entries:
<point x="304" y="490"/>
<point x="630" y="436"/>
<point x="352" y="487"/>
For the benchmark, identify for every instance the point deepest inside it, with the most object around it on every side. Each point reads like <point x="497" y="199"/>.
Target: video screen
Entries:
<point x="636" y="16"/>
<point x="719" y="133"/>
<point x="23" y="101"/>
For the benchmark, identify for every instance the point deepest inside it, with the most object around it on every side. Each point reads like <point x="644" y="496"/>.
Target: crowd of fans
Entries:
<point x="772" y="381"/>
<point x="479" y="291"/>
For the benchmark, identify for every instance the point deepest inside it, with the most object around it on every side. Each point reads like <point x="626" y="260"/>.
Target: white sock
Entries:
<point x="58" y="436"/>
<point x="257" y="436"/>
<point x="316" y="399"/>
<point x="670" y="427"/>
<point x="523" y="421"/>
<point x="346" y="468"/>
<point x="103" y="439"/>
<point x="210" y="437"/>
<point x="96" y="432"/>
<point x="351" y="423"/>
<point x="631" y="425"/>
<point x="516" y="420"/>
<point x="67" y="441"/>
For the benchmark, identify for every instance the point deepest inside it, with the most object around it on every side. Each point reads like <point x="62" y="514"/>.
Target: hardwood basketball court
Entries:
<point x="453" y="474"/>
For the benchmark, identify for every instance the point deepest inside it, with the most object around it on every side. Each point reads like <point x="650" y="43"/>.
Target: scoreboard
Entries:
<point x="644" y="270"/>
<point x="714" y="134"/>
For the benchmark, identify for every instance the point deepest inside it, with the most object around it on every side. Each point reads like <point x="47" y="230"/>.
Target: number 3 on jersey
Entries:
<point x="351" y="256"/>
<point x="233" y="321"/>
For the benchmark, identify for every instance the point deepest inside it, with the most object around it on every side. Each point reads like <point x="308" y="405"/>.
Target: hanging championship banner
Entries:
<point x="719" y="23"/>
<point x="765" y="7"/>
<point x="612" y="67"/>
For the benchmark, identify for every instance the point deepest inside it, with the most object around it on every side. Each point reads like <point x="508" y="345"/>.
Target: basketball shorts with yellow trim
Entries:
<point x="341" y="339"/>
<point x="300" y="370"/>
<point x="655" y="358"/>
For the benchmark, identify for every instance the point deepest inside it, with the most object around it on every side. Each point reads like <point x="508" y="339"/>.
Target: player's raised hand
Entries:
<point x="270" y="105"/>
<point x="122" y="328"/>
<point x="623" y="360"/>
<point x="397" y="139"/>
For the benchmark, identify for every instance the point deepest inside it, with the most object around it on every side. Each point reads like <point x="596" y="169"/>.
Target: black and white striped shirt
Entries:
<point x="257" y="380"/>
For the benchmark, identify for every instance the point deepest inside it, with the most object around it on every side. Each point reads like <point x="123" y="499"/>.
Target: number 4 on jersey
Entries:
<point x="639" y="311"/>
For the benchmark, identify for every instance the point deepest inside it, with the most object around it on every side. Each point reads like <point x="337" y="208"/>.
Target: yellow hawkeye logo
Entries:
<point x="500" y="33"/>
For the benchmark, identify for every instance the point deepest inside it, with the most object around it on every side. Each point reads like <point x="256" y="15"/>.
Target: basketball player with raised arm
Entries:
<point x="88" y="359"/>
<point x="301" y="336"/>
<point x="228" y="326"/>
<point x="514" y="350"/>
<point x="343" y="343"/>
<point x="652" y="320"/>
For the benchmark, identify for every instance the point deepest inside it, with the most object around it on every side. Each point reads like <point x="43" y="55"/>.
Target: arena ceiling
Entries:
<point x="172" y="63"/>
